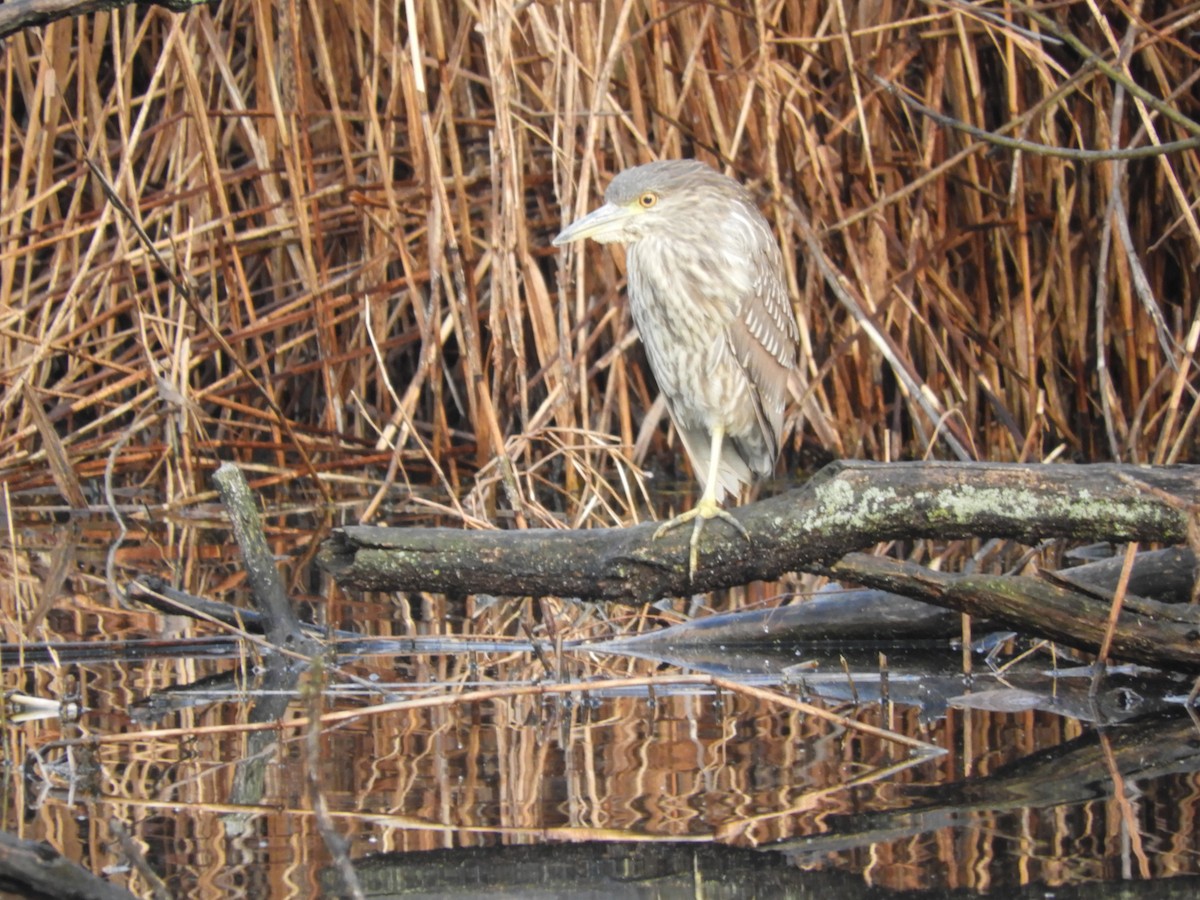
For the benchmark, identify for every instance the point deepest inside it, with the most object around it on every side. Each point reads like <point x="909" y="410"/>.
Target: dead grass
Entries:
<point x="355" y="298"/>
<point x="362" y="209"/>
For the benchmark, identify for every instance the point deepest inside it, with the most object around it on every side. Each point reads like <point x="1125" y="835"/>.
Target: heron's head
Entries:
<point x="677" y="198"/>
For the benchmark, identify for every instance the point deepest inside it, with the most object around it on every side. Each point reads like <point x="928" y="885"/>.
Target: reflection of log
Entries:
<point x="1070" y="774"/>
<point x="33" y="869"/>
<point x="845" y="507"/>
<point x="609" y="868"/>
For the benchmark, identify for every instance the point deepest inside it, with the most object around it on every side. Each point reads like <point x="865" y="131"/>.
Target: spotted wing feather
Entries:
<point x="763" y="337"/>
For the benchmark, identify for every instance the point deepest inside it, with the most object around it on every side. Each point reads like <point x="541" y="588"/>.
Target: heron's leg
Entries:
<point x="706" y="508"/>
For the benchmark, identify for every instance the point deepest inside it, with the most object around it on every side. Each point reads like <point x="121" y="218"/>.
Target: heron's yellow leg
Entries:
<point x="706" y="508"/>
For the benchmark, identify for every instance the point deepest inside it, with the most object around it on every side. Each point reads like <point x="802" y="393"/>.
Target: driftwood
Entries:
<point x="816" y="528"/>
<point x="283" y="628"/>
<point x="837" y="614"/>
<point x="1147" y="631"/>
<point x="845" y="507"/>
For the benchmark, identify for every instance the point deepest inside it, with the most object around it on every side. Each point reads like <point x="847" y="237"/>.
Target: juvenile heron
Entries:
<point x="707" y="294"/>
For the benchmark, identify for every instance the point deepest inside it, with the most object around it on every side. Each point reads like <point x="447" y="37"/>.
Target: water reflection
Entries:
<point x="455" y="743"/>
<point x="664" y="764"/>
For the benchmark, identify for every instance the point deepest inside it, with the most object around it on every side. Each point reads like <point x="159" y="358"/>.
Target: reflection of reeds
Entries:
<point x="363" y="206"/>
<point x="737" y="743"/>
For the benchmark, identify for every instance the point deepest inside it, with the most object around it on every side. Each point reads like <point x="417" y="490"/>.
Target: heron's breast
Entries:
<point x="682" y="306"/>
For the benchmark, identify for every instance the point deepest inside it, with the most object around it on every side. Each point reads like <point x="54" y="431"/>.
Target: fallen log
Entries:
<point x="844" y="507"/>
<point x="1160" y="634"/>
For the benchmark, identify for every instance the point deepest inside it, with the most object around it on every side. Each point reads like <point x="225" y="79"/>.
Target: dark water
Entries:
<point x="473" y="753"/>
<point x="481" y="747"/>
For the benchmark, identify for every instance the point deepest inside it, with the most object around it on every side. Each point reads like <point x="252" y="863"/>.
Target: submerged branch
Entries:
<point x="845" y="507"/>
<point x="282" y="626"/>
<point x="1160" y="634"/>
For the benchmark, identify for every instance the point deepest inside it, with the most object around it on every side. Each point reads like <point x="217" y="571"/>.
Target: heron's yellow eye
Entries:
<point x="647" y="200"/>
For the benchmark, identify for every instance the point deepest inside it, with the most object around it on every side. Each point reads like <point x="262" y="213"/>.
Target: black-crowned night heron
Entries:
<point x="707" y="294"/>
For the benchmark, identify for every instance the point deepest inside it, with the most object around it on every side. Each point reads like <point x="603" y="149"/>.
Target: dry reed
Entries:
<point x="361" y="205"/>
<point x="314" y="240"/>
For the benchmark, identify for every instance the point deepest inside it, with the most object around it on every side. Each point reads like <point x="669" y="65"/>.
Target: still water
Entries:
<point x="490" y="747"/>
<point x="218" y="777"/>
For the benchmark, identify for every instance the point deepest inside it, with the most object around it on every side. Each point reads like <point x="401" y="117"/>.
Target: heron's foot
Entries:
<point x="703" y="511"/>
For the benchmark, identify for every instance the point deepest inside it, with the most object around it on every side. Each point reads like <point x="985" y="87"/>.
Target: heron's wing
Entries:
<point x="763" y="337"/>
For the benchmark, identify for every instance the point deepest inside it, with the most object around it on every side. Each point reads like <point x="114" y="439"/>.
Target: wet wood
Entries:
<point x="158" y="593"/>
<point x="841" y="614"/>
<point x="845" y="507"/>
<point x="1167" y="575"/>
<point x="1148" y="632"/>
<point x="282" y="626"/>
<point x="35" y="869"/>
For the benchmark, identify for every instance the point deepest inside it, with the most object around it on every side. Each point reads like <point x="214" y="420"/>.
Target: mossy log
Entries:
<point x="847" y="506"/>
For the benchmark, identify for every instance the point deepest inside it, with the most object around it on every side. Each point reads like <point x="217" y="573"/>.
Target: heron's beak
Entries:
<point x="606" y="225"/>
